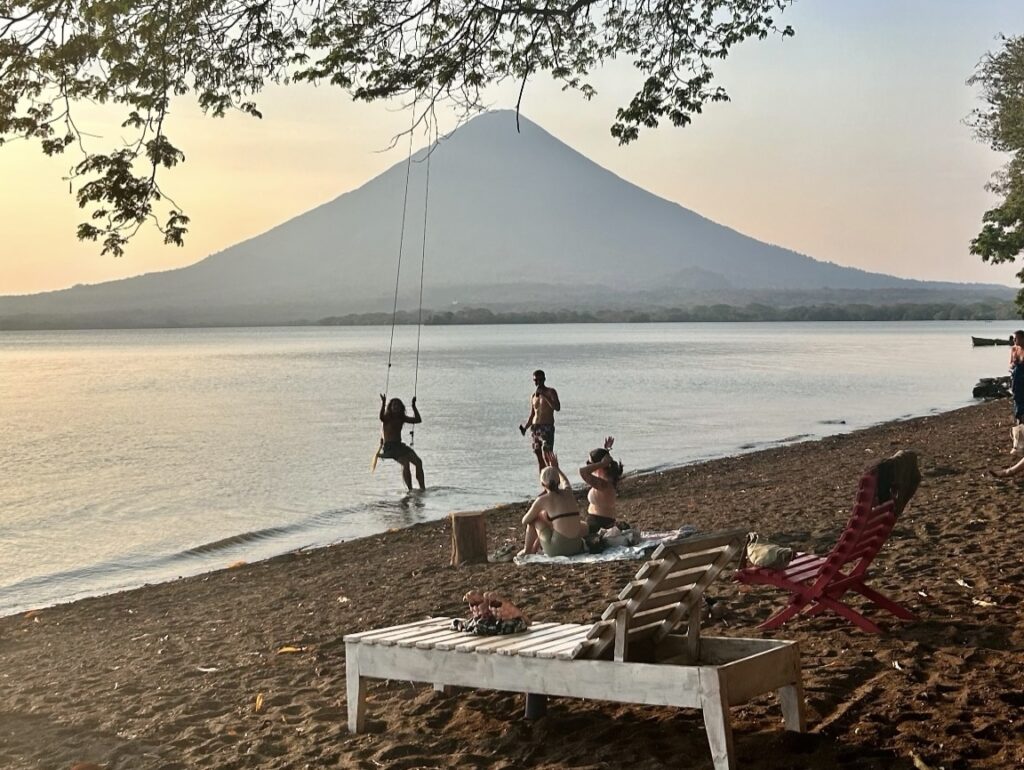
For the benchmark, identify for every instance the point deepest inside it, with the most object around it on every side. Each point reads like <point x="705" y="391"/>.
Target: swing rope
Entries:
<point x="423" y="256"/>
<point x="401" y="246"/>
<point x="423" y="262"/>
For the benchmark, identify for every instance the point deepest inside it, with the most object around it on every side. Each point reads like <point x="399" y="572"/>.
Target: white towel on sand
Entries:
<point x="648" y="542"/>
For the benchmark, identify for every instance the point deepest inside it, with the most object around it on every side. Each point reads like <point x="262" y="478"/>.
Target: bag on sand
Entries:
<point x="767" y="555"/>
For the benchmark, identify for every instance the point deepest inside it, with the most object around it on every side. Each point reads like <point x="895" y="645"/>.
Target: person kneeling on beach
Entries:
<point x="602" y="475"/>
<point x="393" y="418"/>
<point x="1013" y="470"/>
<point x="553" y="523"/>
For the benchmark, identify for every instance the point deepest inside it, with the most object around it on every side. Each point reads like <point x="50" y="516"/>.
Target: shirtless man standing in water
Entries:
<point x="541" y="422"/>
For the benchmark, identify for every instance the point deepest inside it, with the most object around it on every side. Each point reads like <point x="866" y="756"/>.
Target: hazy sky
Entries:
<point x="846" y="143"/>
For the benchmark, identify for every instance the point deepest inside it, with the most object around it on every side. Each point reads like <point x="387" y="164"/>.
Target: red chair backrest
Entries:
<point x="866" y="531"/>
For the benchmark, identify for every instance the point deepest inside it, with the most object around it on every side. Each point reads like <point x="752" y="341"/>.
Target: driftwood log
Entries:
<point x="469" y="537"/>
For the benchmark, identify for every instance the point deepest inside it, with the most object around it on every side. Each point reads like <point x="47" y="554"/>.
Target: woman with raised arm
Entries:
<point x="602" y="475"/>
<point x="553" y="523"/>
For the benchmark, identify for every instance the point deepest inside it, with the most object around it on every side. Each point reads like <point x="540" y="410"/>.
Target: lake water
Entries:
<point x="138" y="456"/>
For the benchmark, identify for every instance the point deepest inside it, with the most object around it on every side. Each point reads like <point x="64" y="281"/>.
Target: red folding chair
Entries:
<point x="819" y="583"/>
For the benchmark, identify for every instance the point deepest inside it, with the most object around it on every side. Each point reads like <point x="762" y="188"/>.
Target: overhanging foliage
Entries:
<point x="1000" y="123"/>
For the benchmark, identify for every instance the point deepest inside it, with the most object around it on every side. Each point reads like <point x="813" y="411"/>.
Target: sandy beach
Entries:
<point x="191" y="674"/>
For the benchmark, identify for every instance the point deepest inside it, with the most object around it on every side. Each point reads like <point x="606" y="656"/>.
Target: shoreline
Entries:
<point x="736" y="452"/>
<point x="168" y="675"/>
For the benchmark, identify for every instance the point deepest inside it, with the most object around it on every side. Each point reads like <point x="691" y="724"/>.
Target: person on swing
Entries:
<point x="541" y="422"/>
<point x="392" y="419"/>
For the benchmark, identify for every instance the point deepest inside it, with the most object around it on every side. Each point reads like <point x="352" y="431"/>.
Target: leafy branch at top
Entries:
<point x="1000" y="123"/>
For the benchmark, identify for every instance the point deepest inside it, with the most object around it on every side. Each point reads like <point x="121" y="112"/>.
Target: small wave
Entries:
<point x="792" y="439"/>
<point x="236" y="540"/>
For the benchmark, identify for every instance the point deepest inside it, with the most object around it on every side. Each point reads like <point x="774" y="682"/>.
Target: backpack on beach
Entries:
<point x="767" y="555"/>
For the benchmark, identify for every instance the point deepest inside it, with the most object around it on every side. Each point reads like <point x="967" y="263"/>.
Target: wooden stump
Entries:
<point x="469" y="537"/>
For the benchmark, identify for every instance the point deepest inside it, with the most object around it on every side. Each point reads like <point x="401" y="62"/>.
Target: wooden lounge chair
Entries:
<point x="633" y="654"/>
<point x="819" y="583"/>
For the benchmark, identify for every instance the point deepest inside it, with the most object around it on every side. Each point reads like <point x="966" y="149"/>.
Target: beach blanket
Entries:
<point x="648" y="542"/>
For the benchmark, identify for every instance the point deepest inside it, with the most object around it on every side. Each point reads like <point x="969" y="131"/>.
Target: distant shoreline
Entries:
<point x="482" y="316"/>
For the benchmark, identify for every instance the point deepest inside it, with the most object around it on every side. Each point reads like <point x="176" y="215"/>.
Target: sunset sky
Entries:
<point x="846" y="143"/>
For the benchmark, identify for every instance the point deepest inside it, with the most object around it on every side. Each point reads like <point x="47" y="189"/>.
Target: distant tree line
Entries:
<point x="932" y="311"/>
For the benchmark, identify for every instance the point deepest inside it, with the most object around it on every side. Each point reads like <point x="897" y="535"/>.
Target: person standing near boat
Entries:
<point x="1017" y="389"/>
<point x="541" y="422"/>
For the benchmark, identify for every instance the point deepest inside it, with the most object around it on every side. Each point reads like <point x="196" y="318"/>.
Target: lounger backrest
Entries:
<point x="667" y="591"/>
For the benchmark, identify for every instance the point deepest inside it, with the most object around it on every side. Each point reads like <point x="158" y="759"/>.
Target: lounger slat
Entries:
<point x="472" y="644"/>
<point x="700" y="558"/>
<point x="501" y="640"/>
<point x="358" y="637"/>
<point x="648" y="616"/>
<point x="465" y="636"/>
<point x="428" y="642"/>
<point x="570" y="638"/>
<point x="661" y="598"/>
<point x="513" y="641"/>
<point x="528" y="650"/>
<point x="565" y="647"/>
<point x="514" y="644"/>
<point x="457" y="637"/>
<point x="535" y="639"/>
<point x="413" y="633"/>
<point x="676" y="579"/>
<point x="599" y="628"/>
<point x="640" y="632"/>
<point x="649" y="566"/>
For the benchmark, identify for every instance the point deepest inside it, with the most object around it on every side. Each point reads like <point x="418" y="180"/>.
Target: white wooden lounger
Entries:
<point x="633" y="654"/>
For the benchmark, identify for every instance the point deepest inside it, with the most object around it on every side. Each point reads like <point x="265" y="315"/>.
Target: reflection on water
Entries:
<point x="138" y="456"/>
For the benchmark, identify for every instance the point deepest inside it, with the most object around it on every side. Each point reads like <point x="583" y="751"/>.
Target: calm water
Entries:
<point x="130" y="457"/>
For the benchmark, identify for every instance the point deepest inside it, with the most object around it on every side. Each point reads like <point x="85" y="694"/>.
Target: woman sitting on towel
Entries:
<point x="602" y="475"/>
<point x="553" y="523"/>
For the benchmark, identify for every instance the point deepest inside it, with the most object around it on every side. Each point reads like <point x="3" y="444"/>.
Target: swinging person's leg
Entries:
<point x="415" y="460"/>
<point x="407" y="474"/>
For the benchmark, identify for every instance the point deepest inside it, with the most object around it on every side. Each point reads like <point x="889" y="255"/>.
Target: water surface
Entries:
<point x="136" y="456"/>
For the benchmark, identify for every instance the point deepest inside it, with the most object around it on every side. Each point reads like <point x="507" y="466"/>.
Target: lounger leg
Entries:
<point x="794" y="714"/>
<point x="715" y="705"/>
<point x="884" y="602"/>
<point x="355" y="687"/>
<point x="536" y="705"/>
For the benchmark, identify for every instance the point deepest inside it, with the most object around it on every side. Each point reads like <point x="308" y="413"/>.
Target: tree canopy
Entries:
<point x="1000" y="123"/>
<point x="139" y="55"/>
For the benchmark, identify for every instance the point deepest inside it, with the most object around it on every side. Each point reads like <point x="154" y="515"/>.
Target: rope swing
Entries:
<point x="432" y="143"/>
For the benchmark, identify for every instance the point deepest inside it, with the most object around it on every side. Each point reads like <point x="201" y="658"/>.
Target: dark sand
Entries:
<point x="168" y="676"/>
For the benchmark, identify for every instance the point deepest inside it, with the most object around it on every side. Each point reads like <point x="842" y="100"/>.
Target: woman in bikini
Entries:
<point x="553" y="523"/>
<point x="602" y="475"/>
